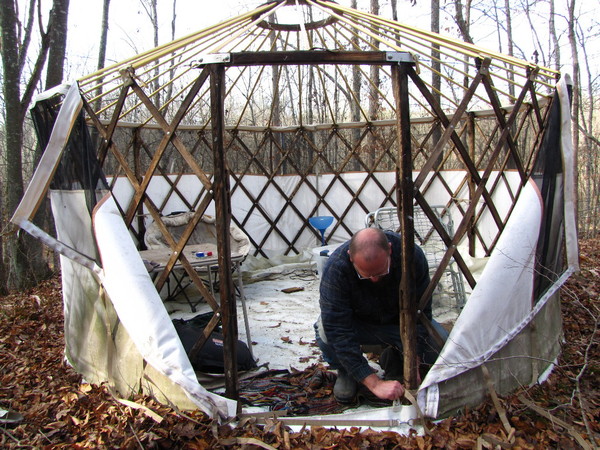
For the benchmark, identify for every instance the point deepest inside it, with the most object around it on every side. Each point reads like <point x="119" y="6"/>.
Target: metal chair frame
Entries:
<point x="430" y="241"/>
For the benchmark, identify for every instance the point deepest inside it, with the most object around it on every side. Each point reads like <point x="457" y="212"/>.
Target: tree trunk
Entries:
<point x="169" y="90"/>
<point x="13" y="124"/>
<point x="575" y="104"/>
<point x="511" y="49"/>
<point x="464" y="29"/>
<point x="154" y="19"/>
<point x="151" y="8"/>
<point x="57" y="36"/>
<point x="588" y="223"/>
<point x="356" y="88"/>
<point x="539" y="47"/>
<point x="554" y="37"/>
<point x="461" y="21"/>
<point x="436" y="79"/>
<point x="275" y="76"/>
<point x="373" y="94"/>
<point x="3" y="271"/>
<point x="58" y="43"/>
<point x="103" y="35"/>
<point x="21" y="271"/>
<point x="102" y="48"/>
<point x="374" y="73"/>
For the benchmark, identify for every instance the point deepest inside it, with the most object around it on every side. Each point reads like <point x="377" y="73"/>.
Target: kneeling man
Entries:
<point x="359" y="300"/>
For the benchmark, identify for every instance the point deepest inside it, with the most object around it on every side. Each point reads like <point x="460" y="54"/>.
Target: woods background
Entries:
<point x="42" y="47"/>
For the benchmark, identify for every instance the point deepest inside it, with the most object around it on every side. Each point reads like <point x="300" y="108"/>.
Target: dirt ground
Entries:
<point x="60" y="410"/>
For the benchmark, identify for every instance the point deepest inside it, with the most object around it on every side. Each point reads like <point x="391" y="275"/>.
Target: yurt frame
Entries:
<point x="139" y="135"/>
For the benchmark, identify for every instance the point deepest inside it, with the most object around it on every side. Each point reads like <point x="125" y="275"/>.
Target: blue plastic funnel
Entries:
<point x="321" y="223"/>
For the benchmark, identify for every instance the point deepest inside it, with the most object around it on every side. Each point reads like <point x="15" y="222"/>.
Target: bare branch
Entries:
<point x="24" y="44"/>
<point x="38" y="67"/>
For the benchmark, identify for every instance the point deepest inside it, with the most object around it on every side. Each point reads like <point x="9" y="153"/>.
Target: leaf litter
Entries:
<point x="60" y="410"/>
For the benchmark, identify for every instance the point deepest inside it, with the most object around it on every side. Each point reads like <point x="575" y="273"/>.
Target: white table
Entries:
<point x="156" y="261"/>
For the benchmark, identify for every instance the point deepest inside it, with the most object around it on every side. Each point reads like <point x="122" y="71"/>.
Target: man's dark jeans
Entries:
<point x="383" y="335"/>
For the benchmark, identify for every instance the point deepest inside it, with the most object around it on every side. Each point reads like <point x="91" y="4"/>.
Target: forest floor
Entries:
<point x="59" y="409"/>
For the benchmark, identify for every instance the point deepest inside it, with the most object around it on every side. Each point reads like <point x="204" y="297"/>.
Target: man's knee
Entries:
<point x="320" y="332"/>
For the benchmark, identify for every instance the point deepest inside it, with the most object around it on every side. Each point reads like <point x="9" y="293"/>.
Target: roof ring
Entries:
<point x="290" y="17"/>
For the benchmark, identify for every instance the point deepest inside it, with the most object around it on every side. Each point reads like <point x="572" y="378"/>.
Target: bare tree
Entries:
<point x="590" y="146"/>
<point x="374" y="73"/>
<point x="509" y="37"/>
<point x="436" y="78"/>
<point x="576" y="73"/>
<point x="54" y="77"/>
<point x="151" y="8"/>
<point x="536" y="37"/>
<point x="374" y="85"/>
<point x="462" y="17"/>
<point x="356" y="88"/>
<point x="555" y="52"/>
<point x="16" y="40"/>
<point x="275" y="118"/>
<point x="3" y="271"/>
<point x="102" y="46"/>
<point x="58" y="44"/>
<point x="103" y="34"/>
<point x="169" y="91"/>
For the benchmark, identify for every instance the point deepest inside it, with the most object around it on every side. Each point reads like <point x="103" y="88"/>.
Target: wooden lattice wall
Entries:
<point x="484" y="146"/>
<point x="306" y="152"/>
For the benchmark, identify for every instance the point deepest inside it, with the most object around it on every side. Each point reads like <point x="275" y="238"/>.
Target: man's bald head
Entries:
<point x="369" y="243"/>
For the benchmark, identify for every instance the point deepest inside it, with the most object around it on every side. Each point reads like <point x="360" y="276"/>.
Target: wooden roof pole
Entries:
<point x="404" y="182"/>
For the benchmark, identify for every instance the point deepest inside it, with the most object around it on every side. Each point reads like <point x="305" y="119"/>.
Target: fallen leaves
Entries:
<point x="61" y="411"/>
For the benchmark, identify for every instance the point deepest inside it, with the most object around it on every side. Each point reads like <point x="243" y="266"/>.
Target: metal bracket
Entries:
<point x="400" y="57"/>
<point x="213" y="58"/>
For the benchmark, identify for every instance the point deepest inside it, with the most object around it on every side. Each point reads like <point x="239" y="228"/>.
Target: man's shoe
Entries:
<point x="345" y="388"/>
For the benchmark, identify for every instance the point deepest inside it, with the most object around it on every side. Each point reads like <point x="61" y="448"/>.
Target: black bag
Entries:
<point x="210" y="357"/>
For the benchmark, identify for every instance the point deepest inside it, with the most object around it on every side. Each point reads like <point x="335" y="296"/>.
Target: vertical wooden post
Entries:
<point x="405" y="198"/>
<point x="471" y="183"/>
<point x="223" y="220"/>
<point x="137" y="170"/>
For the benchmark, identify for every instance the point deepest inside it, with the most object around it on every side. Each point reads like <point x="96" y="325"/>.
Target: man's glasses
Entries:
<point x="387" y="271"/>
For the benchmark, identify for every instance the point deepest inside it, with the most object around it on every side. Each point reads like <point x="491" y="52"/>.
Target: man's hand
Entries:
<point x="384" y="389"/>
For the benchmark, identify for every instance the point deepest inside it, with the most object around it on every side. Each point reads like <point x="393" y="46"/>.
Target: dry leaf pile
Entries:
<point x="60" y="410"/>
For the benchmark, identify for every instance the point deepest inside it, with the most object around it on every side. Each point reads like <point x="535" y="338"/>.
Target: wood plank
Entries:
<point x="312" y="57"/>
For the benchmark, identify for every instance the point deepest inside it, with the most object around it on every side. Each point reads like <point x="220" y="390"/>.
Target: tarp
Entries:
<point x="493" y="326"/>
<point x="141" y="310"/>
